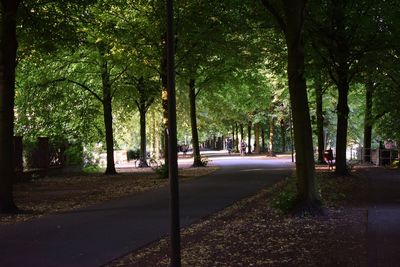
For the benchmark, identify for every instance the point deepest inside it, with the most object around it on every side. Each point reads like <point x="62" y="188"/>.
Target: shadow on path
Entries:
<point x="383" y="217"/>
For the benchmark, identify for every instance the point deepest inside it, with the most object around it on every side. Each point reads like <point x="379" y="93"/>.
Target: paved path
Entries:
<point x="101" y="233"/>
<point x="384" y="217"/>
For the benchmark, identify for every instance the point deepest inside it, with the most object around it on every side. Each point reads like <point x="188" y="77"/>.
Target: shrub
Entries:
<point x="284" y="197"/>
<point x="162" y="171"/>
<point x="74" y="155"/>
<point x="133" y="154"/>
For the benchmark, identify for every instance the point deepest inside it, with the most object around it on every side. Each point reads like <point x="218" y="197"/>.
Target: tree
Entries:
<point x="8" y="55"/>
<point x="344" y="33"/>
<point x="289" y="16"/>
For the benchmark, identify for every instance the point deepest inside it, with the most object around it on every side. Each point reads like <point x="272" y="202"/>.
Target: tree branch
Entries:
<point x="274" y="11"/>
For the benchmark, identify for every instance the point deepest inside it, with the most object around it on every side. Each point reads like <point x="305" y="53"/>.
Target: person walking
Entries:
<point x="243" y="146"/>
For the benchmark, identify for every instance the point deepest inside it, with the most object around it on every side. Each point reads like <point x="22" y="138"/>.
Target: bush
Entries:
<point x="284" y="197"/>
<point x="74" y="155"/>
<point x="162" y="171"/>
<point x="92" y="169"/>
<point x="133" y="154"/>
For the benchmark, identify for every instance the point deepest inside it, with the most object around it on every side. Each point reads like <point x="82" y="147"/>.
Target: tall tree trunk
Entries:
<point x="193" y="123"/>
<point x="342" y="125"/>
<point x="107" y="112"/>
<point x="340" y="56"/>
<point x="249" y="146"/>
<point x="263" y="139"/>
<point x="8" y="54"/>
<point x="235" y="145"/>
<point x="156" y="137"/>
<point x="271" y="147"/>
<point x="257" y="138"/>
<point x="283" y="135"/>
<point x="164" y="102"/>
<point x="143" y="151"/>
<point x="233" y="137"/>
<point x="369" y="89"/>
<point x="320" y="118"/>
<point x="241" y="132"/>
<point x="305" y="173"/>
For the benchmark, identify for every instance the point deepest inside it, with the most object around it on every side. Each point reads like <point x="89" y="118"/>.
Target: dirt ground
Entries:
<point x="252" y="233"/>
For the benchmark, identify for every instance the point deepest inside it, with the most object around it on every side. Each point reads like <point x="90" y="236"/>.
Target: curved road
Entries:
<point x="101" y="233"/>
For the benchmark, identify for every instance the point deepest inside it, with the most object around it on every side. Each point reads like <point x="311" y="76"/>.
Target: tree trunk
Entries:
<point x="8" y="54"/>
<point x="107" y="112"/>
<point x="263" y="138"/>
<point x="320" y="118"/>
<point x="241" y="132"/>
<point x="257" y="138"/>
<point x="342" y="123"/>
<point x="283" y="136"/>
<point x="193" y="123"/>
<point x="307" y="188"/>
<point x="233" y="136"/>
<point x="236" y="143"/>
<point x="368" y="121"/>
<point x="249" y="146"/>
<point x="143" y="151"/>
<point x="340" y="56"/>
<point x="164" y="102"/>
<point x="271" y="147"/>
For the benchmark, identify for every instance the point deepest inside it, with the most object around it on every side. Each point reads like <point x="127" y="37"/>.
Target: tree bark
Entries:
<point x="107" y="112"/>
<point x="249" y="146"/>
<point x="193" y="123"/>
<point x="241" y="132"/>
<point x="369" y="89"/>
<point x="236" y="143"/>
<point x="307" y="188"/>
<point x="342" y="124"/>
<point x="8" y="54"/>
<point x="263" y="138"/>
<point x="320" y="118"/>
<point x="283" y="136"/>
<point x="164" y="103"/>
<point x="257" y="138"/>
<point x="271" y="146"/>
<point x="143" y="151"/>
<point x="340" y="56"/>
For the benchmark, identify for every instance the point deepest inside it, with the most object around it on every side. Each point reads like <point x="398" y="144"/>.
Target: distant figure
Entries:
<point x="229" y="146"/>
<point x="243" y="146"/>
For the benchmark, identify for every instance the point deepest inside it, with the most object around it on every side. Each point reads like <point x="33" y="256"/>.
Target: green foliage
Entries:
<point x="93" y="169"/>
<point x="133" y="154"/>
<point x="284" y="195"/>
<point x="74" y="155"/>
<point x="162" y="171"/>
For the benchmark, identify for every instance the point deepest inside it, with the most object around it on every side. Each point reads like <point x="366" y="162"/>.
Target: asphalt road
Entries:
<point x="96" y="235"/>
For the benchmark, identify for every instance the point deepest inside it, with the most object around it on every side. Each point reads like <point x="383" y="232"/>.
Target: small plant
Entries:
<point x="74" y="155"/>
<point x="395" y="164"/>
<point x="285" y="197"/>
<point x="133" y="154"/>
<point x="162" y="171"/>
<point x="92" y="169"/>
